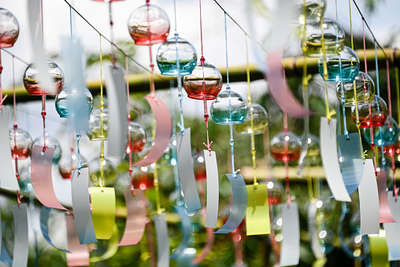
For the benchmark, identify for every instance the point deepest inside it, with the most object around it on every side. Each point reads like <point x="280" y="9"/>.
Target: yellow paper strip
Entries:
<point x="379" y="251"/>
<point x="257" y="212"/>
<point x="103" y="211"/>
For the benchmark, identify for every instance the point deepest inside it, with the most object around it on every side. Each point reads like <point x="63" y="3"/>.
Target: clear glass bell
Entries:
<point x="97" y="167"/>
<point x="386" y="135"/>
<point x="342" y="67"/>
<point x="311" y="10"/>
<point x="228" y="107"/>
<point x="32" y="85"/>
<point x="148" y="25"/>
<point x="286" y="147"/>
<point x="313" y="156"/>
<point x="167" y="57"/>
<point x="74" y="95"/>
<point x="378" y="109"/>
<point x="260" y="121"/>
<point x="20" y="143"/>
<point x="137" y="136"/>
<point x="197" y="89"/>
<point x="333" y="38"/>
<point x="51" y="142"/>
<point x="70" y="163"/>
<point x="9" y="29"/>
<point x="98" y="124"/>
<point x="365" y="90"/>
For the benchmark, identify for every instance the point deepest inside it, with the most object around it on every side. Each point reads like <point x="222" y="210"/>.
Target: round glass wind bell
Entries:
<point x="51" y="142"/>
<point x="342" y="67"/>
<point x="32" y="85"/>
<point x="20" y="143"/>
<point x="383" y="136"/>
<point x="9" y="28"/>
<point x="228" y="107"/>
<point x="333" y="35"/>
<point x="98" y="124"/>
<point x="311" y="10"/>
<point x="286" y="147"/>
<point x="69" y="163"/>
<point x="193" y="83"/>
<point x="98" y="168"/>
<point x="378" y="109"/>
<point x="72" y="95"/>
<point x="260" y="121"/>
<point x="148" y="25"/>
<point x="275" y="192"/>
<point x="365" y="90"/>
<point x="137" y="136"/>
<point x="167" y="57"/>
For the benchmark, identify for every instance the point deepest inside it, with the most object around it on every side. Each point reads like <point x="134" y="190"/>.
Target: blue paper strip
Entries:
<point x="185" y="230"/>
<point x="4" y="256"/>
<point x="239" y="204"/>
<point x="44" y="227"/>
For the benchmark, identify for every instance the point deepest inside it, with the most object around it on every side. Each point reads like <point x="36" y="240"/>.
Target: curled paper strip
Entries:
<point x="118" y="111"/>
<point x="79" y="254"/>
<point x="290" y="248"/>
<point x="279" y="89"/>
<point x="207" y="248"/>
<point x="185" y="170"/>
<point x="163" y="131"/>
<point x="394" y="205"/>
<point x="392" y="231"/>
<point x="135" y="219"/>
<point x="21" y="238"/>
<point x="379" y="251"/>
<point x="186" y="230"/>
<point x="44" y="227"/>
<point x="162" y="240"/>
<point x="330" y="160"/>
<point x="210" y="160"/>
<point x="103" y="211"/>
<point x="312" y="229"/>
<point x="239" y="204"/>
<point x="8" y="180"/>
<point x="369" y="200"/>
<point x="385" y="215"/>
<point x="42" y="182"/>
<point x="112" y="247"/>
<point x="81" y="207"/>
<point x="257" y="212"/>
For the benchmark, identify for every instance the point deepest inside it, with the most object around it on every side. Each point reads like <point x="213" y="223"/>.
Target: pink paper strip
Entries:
<point x="206" y="250"/>
<point x="79" y="255"/>
<point x="135" y="219"/>
<point x="163" y="131"/>
<point x="279" y="89"/>
<point x="385" y="215"/>
<point x="42" y="182"/>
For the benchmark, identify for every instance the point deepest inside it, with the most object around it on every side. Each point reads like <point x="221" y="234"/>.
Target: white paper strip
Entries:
<point x="369" y="200"/>
<point x="212" y="188"/>
<point x="290" y="248"/>
<point x="8" y="180"/>
<point x="162" y="240"/>
<point x="118" y="112"/>
<point x="330" y="160"/>
<point x="312" y="229"/>
<point x="394" y="205"/>
<point x="393" y="240"/>
<point x="21" y="238"/>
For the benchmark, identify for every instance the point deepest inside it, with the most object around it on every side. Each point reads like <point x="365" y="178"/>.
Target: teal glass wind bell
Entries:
<point x="72" y="95"/>
<point x="386" y="135"/>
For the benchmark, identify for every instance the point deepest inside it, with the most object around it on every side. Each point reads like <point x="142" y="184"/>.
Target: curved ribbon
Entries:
<point x="103" y="211"/>
<point x="111" y="249"/>
<point x="44" y="227"/>
<point x="21" y="238"/>
<point x="42" y="182"/>
<point x="385" y="215"/>
<point x="135" y="219"/>
<point x="186" y="232"/>
<point x="290" y="248"/>
<point x="239" y="204"/>
<point x="79" y="255"/>
<point x="257" y="212"/>
<point x="207" y="248"/>
<point x="163" y="131"/>
<point x="162" y="240"/>
<point x="212" y="188"/>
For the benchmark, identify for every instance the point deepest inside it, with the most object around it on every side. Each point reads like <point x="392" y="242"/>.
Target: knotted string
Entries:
<point x="101" y="181"/>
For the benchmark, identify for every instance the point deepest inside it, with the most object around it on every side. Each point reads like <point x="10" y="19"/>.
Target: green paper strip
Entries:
<point x="257" y="211"/>
<point x="103" y="211"/>
<point x="379" y="251"/>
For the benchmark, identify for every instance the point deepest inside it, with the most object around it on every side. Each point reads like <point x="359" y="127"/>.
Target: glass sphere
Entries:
<point x="311" y="10"/>
<point x="74" y="95"/>
<point x="97" y="166"/>
<point x="20" y="143"/>
<point x="138" y="137"/>
<point x="51" y="142"/>
<point x="378" y="110"/>
<point x="365" y="90"/>
<point x="260" y="121"/>
<point x="143" y="180"/>
<point x="285" y="147"/>
<point x="9" y="28"/>
<point x="193" y="83"/>
<point x="168" y="53"/>
<point x="97" y="129"/>
<point x="313" y="156"/>
<point x="386" y="135"/>
<point x="148" y="25"/>
<point x="228" y="107"/>
<point x="199" y="166"/>
<point x="24" y="181"/>
<point x="69" y="163"/>
<point x="275" y="190"/>
<point x="342" y="67"/>
<point x="32" y="85"/>
<point x="333" y="38"/>
<point x="355" y="244"/>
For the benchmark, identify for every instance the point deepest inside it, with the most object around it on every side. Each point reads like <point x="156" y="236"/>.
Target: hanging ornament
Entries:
<point x="72" y="94"/>
<point x="342" y="67"/>
<point x="260" y="121"/>
<point x="196" y="89"/>
<point x="32" y="85"/>
<point x="229" y="107"/>
<point x="365" y="89"/>
<point x="325" y="236"/>
<point x="51" y="142"/>
<point x="24" y="181"/>
<point x="378" y="109"/>
<point x="101" y="168"/>
<point x="333" y="35"/>
<point x="9" y="28"/>
<point x="98" y="124"/>
<point x="168" y="53"/>
<point x="69" y="163"/>
<point x="311" y="10"/>
<point x="199" y="166"/>
<point x="275" y="190"/>
<point x="20" y="143"/>
<point x="313" y="155"/>
<point x="137" y="136"/>
<point x="142" y="179"/>
<point x="386" y="135"/>
<point x="148" y="25"/>
<point x="286" y="147"/>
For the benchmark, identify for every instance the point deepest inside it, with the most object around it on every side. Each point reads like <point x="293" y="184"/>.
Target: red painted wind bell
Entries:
<point x="20" y="143"/>
<point x="9" y="29"/>
<point x="286" y="147"/>
<point x="383" y="136"/>
<point x="137" y="137"/>
<point x="148" y="25"/>
<point x="371" y="114"/>
<point x="32" y="84"/>
<point x="69" y="163"/>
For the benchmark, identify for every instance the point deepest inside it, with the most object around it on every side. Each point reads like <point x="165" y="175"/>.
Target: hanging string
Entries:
<point x="286" y="158"/>
<point x="396" y="74"/>
<point x="156" y="182"/>
<point x="101" y="182"/>
<point x="111" y="22"/>
<point x="44" y="94"/>
<point x="129" y="148"/>
<point x="152" y="85"/>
